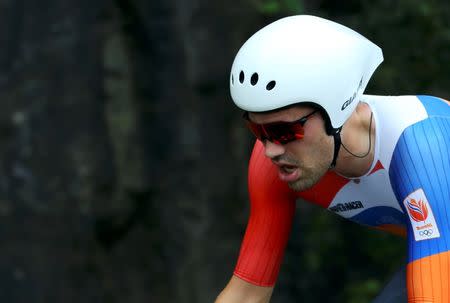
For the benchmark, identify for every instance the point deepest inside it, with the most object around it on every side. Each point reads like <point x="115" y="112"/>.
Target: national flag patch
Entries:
<point x="421" y="216"/>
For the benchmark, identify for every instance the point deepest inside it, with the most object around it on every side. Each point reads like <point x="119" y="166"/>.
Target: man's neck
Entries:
<point x="355" y="140"/>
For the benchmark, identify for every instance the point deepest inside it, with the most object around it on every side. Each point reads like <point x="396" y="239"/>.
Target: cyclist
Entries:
<point x="381" y="161"/>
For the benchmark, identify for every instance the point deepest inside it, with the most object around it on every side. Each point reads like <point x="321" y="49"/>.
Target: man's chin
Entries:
<point x="300" y="185"/>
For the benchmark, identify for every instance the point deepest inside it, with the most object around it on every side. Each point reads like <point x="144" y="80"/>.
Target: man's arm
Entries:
<point x="240" y="291"/>
<point x="419" y="174"/>
<point x="272" y="208"/>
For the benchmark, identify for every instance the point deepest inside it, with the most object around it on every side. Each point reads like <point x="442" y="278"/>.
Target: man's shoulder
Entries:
<point x="430" y="104"/>
<point x="435" y="106"/>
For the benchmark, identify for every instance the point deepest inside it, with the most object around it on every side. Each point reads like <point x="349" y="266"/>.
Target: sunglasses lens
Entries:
<point x="278" y="133"/>
<point x="257" y="130"/>
<point x="282" y="133"/>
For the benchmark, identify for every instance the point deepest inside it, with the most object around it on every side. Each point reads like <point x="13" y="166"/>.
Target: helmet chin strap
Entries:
<point x="337" y="145"/>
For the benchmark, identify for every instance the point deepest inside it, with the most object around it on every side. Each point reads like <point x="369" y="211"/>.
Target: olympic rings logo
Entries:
<point x="426" y="232"/>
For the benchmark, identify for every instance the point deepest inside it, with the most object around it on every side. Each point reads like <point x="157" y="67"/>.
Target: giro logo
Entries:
<point x="417" y="210"/>
<point x="352" y="98"/>
<point x="421" y="216"/>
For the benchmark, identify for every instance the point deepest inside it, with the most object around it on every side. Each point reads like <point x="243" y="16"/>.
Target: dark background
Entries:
<point x="123" y="160"/>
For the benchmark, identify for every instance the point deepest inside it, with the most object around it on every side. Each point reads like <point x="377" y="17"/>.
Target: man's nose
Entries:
<point x="272" y="150"/>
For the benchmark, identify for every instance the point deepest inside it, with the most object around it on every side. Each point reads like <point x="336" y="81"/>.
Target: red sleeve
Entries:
<point x="271" y="214"/>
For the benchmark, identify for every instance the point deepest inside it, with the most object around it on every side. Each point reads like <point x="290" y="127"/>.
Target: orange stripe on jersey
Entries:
<point x="428" y="279"/>
<point x="393" y="229"/>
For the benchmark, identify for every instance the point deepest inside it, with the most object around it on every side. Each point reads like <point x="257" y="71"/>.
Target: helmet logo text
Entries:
<point x="352" y="98"/>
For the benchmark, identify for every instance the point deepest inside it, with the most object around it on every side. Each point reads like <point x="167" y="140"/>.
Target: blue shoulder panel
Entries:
<point x="421" y="159"/>
<point x="435" y="106"/>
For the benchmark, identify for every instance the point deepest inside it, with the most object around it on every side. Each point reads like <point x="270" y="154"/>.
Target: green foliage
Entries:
<point x="415" y="38"/>
<point x="270" y="7"/>
<point x="363" y="291"/>
<point x="276" y="7"/>
<point x="294" y="6"/>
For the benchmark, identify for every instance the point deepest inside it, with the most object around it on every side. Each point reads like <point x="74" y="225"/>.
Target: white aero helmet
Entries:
<point x="304" y="59"/>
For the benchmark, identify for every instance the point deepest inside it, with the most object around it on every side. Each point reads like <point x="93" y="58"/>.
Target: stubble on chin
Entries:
<point x="308" y="178"/>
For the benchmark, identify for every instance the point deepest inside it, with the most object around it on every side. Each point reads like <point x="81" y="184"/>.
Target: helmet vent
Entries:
<point x="232" y="79"/>
<point x="271" y="85"/>
<point x="241" y="77"/>
<point x="254" y="79"/>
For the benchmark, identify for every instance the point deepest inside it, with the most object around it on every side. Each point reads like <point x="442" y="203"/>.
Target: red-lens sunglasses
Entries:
<point x="279" y="132"/>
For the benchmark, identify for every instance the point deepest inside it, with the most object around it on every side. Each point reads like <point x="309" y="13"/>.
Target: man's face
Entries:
<point x="301" y="163"/>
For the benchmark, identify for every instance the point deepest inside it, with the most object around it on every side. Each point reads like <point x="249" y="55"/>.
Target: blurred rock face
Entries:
<point x="119" y="173"/>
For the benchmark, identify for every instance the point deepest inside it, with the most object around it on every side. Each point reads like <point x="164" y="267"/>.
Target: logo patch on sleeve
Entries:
<point x="421" y="216"/>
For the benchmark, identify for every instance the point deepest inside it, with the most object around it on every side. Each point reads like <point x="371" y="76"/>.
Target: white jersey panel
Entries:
<point x="370" y="199"/>
<point x="392" y="115"/>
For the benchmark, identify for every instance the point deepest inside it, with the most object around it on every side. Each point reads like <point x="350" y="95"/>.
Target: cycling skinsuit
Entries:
<point x="406" y="192"/>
